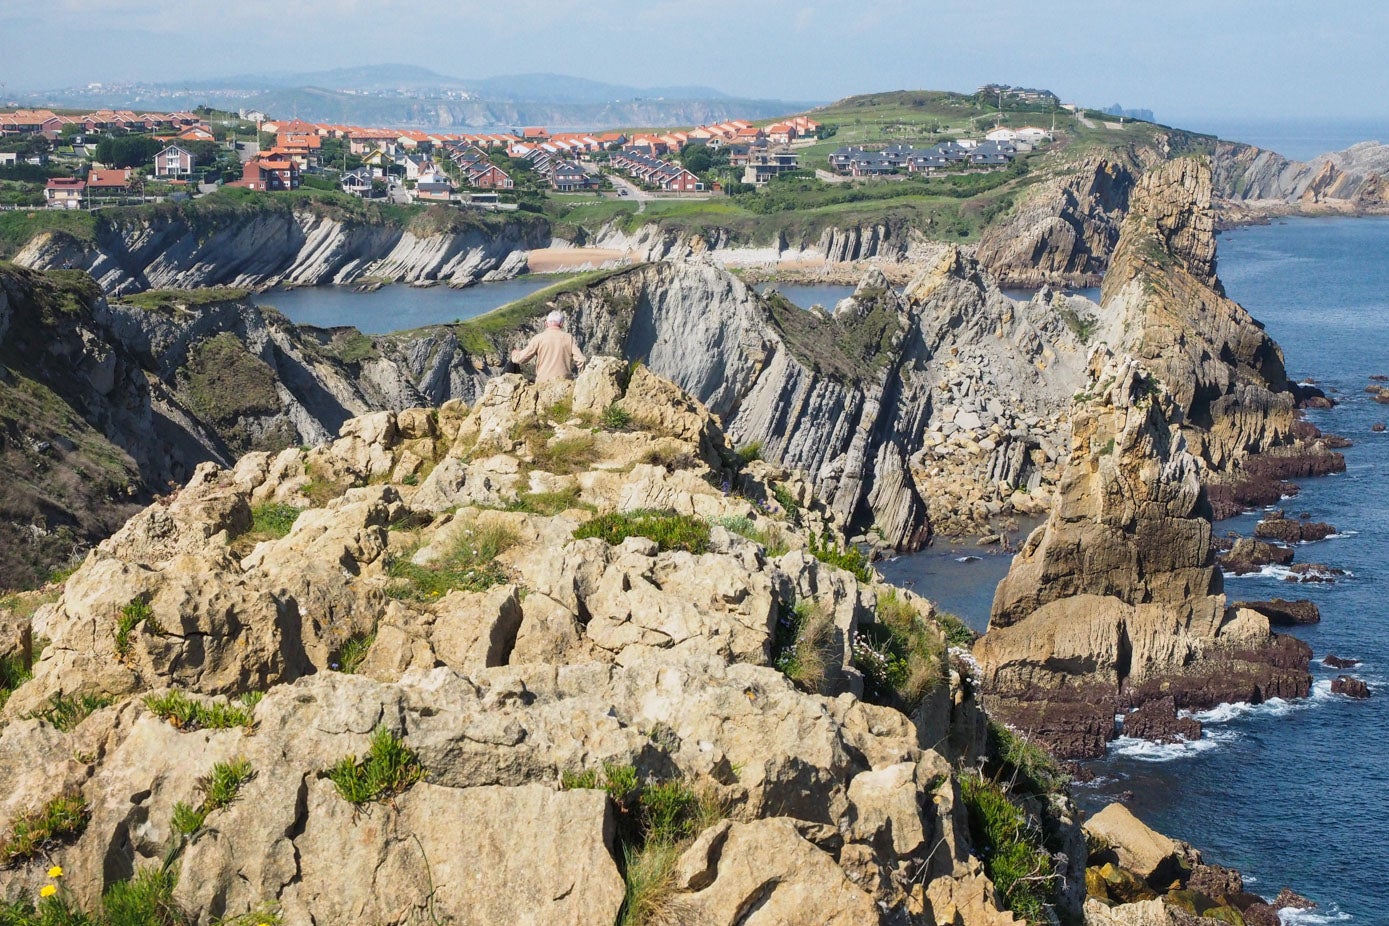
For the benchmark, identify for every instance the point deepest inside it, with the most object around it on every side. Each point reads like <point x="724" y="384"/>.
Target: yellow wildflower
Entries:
<point x="56" y="871"/>
<point x="48" y="890"/>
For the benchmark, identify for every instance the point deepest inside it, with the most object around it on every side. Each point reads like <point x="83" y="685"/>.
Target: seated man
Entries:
<point x="556" y="353"/>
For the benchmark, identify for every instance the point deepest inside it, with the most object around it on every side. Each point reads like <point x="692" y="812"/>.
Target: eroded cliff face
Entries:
<point x="1116" y="603"/>
<point x="1252" y="182"/>
<point x="1062" y="231"/>
<point x="272" y="244"/>
<point x="513" y="694"/>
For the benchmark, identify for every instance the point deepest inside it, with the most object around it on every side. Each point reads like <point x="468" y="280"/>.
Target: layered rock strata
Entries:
<point x="1117" y="600"/>
<point x="545" y="669"/>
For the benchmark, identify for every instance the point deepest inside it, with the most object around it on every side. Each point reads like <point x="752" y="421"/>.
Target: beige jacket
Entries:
<point x="555" y="352"/>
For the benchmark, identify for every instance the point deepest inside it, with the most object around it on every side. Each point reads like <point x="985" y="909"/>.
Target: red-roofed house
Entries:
<point x="64" y="192"/>
<point x="108" y="182"/>
<point x="269" y="173"/>
<point x="534" y="133"/>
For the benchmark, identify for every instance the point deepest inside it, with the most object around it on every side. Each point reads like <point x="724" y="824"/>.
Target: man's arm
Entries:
<point x="578" y="354"/>
<point x="526" y="353"/>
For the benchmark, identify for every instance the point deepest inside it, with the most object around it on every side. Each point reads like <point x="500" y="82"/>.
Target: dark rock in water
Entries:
<point x="1309" y="396"/>
<point x="1157" y="721"/>
<point x="1282" y="613"/>
<point x="1351" y="687"/>
<point x="1075" y="723"/>
<point x="1263" y="478"/>
<point x="1377" y="427"/>
<point x="1380" y="378"/>
<point x="1215" y="881"/>
<point x="1288" y="899"/>
<point x="1337" y="442"/>
<point x="1251" y="674"/>
<point x="1082" y="774"/>
<point x="1319" y="401"/>
<point x="1261" y="914"/>
<point x="1313" y="572"/>
<point x="1336" y="662"/>
<point x="1250" y="555"/>
<point x="1279" y="527"/>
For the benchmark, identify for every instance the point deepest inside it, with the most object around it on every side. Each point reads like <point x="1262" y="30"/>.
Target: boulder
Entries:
<point x="1337" y="662"/>
<point x="1147" y="853"/>
<point x="1351" y="687"/>
<point x="1281" y="613"/>
<point x="1159" y="722"/>
<point x="1279" y="527"/>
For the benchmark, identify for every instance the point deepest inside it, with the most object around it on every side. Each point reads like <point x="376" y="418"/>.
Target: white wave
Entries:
<point x="968" y="559"/>
<point x="1289" y="917"/>
<point x="1342" y="535"/>
<point x="1146" y="751"/>
<point x="1284" y="572"/>
<point x="1224" y="713"/>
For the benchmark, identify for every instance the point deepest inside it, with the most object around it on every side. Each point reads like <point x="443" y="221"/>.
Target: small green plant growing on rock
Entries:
<point x="900" y="656"/>
<point x="220" y="788"/>
<point x="550" y="504"/>
<point x="60" y="820"/>
<point x="273" y="520"/>
<point x="470" y="565"/>
<point x="787" y="501"/>
<point x="566" y="454"/>
<point x="670" y="531"/>
<point x="66" y="711"/>
<point x="387" y="770"/>
<point x="957" y="632"/>
<point x="851" y="559"/>
<point x="353" y="652"/>
<point x="135" y="613"/>
<point x="770" y="536"/>
<point x="749" y="452"/>
<point x="190" y="714"/>
<point x="615" y="418"/>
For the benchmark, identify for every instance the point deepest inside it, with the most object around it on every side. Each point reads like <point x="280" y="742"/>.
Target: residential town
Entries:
<point x="127" y="156"/>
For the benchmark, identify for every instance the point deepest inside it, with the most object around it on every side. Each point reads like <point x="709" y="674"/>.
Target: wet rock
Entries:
<point x="1351" y="687"/>
<point x="1261" y="914"/>
<point x="1288" y="899"/>
<point x="1159" y="722"/>
<point x="1248" y="554"/>
<point x="1282" y="613"/>
<point x="1377" y="427"/>
<point x="1336" y="662"/>
<point x="1216" y="881"/>
<point x="1313" y="572"/>
<point x="1278" y="526"/>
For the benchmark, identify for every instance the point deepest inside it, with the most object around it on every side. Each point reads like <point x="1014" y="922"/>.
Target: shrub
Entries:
<point x="670" y="531"/>
<point x="574" y="781"/>
<point x="788" y="503"/>
<point x="147" y="899"/>
<point x="565" y="454"/>
<point x="62" y="819"/>
<point x="470" y="565"/>
<point x="957" y="632"/>
<point x="801" y="644"/>
<point x="388" y="769"/>
<point x="13" y="673"/>
<point x="1027" y="765"/>
<point x="190" y="714"/>
<point x="66" y="711"/>
<point x="648" y="874"/>
<point x="750" y="452"/>
<point x="1010" y="848"/>
<point x="900" y="656"/>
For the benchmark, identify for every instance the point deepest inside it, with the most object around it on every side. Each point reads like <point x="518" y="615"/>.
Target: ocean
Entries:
<point x="1292" y="794"/>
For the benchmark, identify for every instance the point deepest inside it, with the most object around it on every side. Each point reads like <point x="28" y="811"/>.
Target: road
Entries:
<point x="634" y="192"/>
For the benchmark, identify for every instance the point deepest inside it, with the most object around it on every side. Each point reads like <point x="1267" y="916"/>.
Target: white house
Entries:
<point x="173" y="161"/>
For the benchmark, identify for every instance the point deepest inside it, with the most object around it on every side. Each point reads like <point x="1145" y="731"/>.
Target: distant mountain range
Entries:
<point x="408" y="95"/>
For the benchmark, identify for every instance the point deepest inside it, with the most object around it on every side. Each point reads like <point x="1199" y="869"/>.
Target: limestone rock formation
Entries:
<point x="1254" y="183"/>
<point x="425" y="592"/>
<point x="1117" y="600"/>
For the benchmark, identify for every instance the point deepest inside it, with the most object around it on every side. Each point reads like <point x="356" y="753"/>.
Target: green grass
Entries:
<point x="1029" y="767"/>
<point x="957" y="632"/>
<point x="480" y="335"/>
<point x="900" y="655"/>
<point x="750" y="452"/>
<point x="18" y="226"/>
<point x="13" y="673"/>
<point x="615" y="418"/>
<point x="562" y="455"/>
<point x="273" y="520"/>
<point x="163" y="300"/>
<point x="1011" y="848"/>
<point x="388" y="769"/>
<point x="147" y="899"/>
<point x="670" y="531"/>
<point x="223" y="382"/>
<point x="469" y="565"/>
<point x="60" y="820"/>
<point x="189" y="714"/>
<point x="550" y="504"/>
<point x="800" y="646"/>
<point x="66" y="711"/>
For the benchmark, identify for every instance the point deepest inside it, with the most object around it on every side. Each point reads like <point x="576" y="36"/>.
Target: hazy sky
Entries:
<point x="1185" y="59"/>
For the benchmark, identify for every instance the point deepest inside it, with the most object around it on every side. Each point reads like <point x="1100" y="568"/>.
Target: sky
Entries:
<point x="1191" y="61"/>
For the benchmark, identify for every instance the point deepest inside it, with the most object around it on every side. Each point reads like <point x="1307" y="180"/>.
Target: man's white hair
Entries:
<point x="555" y="318"/>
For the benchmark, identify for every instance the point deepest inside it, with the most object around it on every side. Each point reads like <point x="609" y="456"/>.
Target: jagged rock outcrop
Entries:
<point x="1064" y="231"/>
<point x="516" y="681"/>
<point x="1252" y="182"/>
<point x="1117" y="600"/>
<point x="215" y="243"/>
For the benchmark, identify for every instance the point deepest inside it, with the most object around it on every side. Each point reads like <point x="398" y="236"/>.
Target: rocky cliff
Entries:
<point x="223" y="240"/>
<point x="1252" y="183"/>
<point x="440" y="669"/>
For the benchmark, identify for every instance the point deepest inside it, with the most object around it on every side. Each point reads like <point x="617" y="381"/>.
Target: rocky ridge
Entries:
<point x="1254" y="183"/>
<point x="433" y="595"/>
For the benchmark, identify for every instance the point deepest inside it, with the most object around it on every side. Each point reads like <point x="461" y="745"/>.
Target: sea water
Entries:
<point x="397" y="307"/>
<point x="1290" y="793"/>
<point x="1297" y="793"/>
